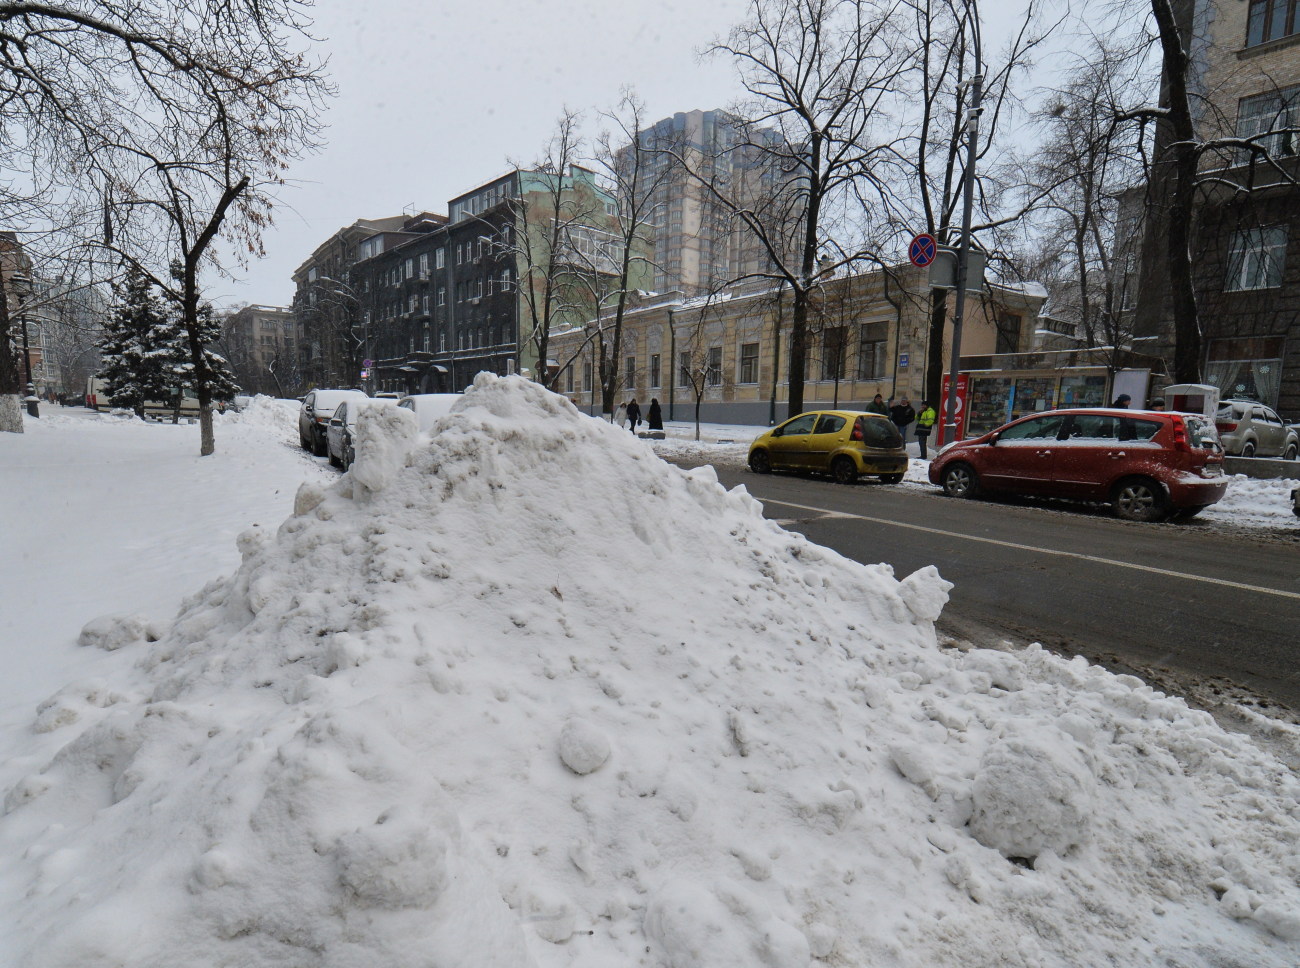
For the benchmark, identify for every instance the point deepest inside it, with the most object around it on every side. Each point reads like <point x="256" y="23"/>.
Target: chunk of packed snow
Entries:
<point x="345" y="753"/>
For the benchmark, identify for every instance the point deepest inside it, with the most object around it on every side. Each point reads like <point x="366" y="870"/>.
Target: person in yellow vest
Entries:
<point x="924" y="424"/>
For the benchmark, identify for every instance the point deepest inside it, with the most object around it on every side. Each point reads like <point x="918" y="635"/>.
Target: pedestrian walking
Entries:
<point x="879" y="406"/>
<point x="924" y="425"/>
<point x="620" y="414"/>
<point x="1122" y="401"/>
<point x="633" y="414"/>
<point x="654" y="418"/>
<point x="902" y="413"/>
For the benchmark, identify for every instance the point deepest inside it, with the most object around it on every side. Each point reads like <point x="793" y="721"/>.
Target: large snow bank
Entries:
<point x="530" y="696"/>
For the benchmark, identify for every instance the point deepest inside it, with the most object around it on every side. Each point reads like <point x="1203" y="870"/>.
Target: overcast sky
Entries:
<point x="435" y="97"/>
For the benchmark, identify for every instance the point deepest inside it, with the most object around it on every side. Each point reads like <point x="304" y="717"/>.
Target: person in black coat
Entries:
<point x="633" y="415"/>
<point x="654" y="418"/>
<point x="902" y="415"/>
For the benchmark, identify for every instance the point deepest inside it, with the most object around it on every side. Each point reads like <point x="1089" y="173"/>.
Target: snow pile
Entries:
<point x="530" y="696"/>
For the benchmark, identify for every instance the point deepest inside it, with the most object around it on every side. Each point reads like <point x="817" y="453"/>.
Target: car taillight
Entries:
<point x="1225" y="428"/>
<point x="1180" y="435"/>
<point x="857" y="430"/>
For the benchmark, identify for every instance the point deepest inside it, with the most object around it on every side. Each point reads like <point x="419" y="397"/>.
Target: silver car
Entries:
<point x="1248" y="428"/>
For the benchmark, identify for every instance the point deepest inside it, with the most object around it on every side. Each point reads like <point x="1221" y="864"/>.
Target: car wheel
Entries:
<point x="1249" y="449"/>
<point x="844" y="470"/>
<point x="319" y="446"/>
<point x="760" y="462"/>
<point x="890" y="478"/>
<point x="960" y="480"/>
<point x="335" y="462"/>
<point x="1139" y="499"/>
<point x="306" y="444"/>
<point x="1290" y="452"/>
<point x="349" y="455"/>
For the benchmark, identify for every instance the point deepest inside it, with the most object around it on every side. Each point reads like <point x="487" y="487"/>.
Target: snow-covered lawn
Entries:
<point x="526" y="695"/>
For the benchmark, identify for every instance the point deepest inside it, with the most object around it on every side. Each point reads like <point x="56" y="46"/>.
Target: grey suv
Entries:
<point x="1248" y="428"/>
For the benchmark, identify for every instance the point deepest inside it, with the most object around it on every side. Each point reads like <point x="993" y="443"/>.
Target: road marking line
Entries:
<point x="1044" y="551"/>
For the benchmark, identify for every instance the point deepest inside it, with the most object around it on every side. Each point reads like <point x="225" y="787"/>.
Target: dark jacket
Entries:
<point x="633" y="412"/>
<point x="879" y="408"/>
<point x="902" y="415"/>
<point x="654" y="416"/>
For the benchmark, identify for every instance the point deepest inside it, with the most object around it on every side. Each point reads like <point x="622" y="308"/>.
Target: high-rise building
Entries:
<point x="261" y="346"/>
<point x="699" y="244"/>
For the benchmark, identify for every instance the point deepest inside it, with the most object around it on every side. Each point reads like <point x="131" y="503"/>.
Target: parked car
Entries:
<point x="314" y="416"/>
<point x="1250" y="429"/>
<point x="340" y="433"/>
<point x="429" y="407"/>
<point x="1147" y="465"/>
<point x="1295" y="502"/>
<point x="843" y="443"/>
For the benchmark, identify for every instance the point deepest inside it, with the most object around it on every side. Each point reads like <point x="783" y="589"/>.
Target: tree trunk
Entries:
<point x="11" y="411"/>
<point x="798" y="352"/>
<point x="935" y="355"/>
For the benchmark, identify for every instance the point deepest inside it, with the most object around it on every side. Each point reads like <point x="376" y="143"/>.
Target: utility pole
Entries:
<point x="971" y="129"/>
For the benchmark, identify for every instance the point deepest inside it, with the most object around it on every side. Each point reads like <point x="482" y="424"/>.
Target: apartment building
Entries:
<point x="449" y="297"/>
<point x="261" y="344"/>
<point x="1246" y="244"/>
<point x="699" y="245"/>
<point x="869" y="334"/>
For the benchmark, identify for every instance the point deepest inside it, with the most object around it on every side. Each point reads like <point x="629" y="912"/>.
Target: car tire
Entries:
<point x="1290" y="452"/>
<point x="760" y="462"/>
<point x="844" y="471"/>
<point x="891" y="478"/>
<point x="306" y="444"/>
<point x="1248" y="449"/>
<point x="335" y="462"/>
<point x="349" y="455"/>
<point x="319" y="445"/>
<point x="1139" y="499"/>
<point x="960" y="480"/>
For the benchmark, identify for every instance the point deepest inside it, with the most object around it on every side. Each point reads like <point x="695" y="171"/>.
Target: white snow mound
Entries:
<point x="523" y="694"/>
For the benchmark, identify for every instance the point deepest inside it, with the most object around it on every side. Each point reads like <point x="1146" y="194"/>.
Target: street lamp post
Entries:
<point x="963" y="253"/>
<point x="30" y="398"/>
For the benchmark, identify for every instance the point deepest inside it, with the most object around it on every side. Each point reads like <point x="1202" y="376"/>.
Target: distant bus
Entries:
<point x="97" y="399"/>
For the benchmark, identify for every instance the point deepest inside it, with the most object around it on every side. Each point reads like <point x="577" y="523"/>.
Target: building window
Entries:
<point x="834" y="343"/>
<point x="1267" y="118"/>
<point x="1270" y="20"/>
<point x="713" y="370"/>
<point x="424" y="263"/>
<point x="440" y="258"/>
<point x="684" y="370"/>
<point x="428" y="338"/>
<point x="410" y="268"/>
<point x="460" y="254"/>
<point x="586" y="376"/>
<point x="442" y="295"/>
<point x="748" y="362"/>
<point x="629" y="373"/>
<point x="871" y="351"/>
<point x="654" y="370"/>
<point x="1008" y="333"/>
<point x="1256" y="259"/>
<point x="505" y="280"/>
<point x="1249" y="367"/>
<point x="568" y="379"/>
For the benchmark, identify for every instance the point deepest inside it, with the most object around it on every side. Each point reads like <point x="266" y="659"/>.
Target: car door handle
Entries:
<point x="1044" y="453"/>
<point x="1117" y="455"/>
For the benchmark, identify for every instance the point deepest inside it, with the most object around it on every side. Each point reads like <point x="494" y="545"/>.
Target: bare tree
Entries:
<point x="553" y="210"/>
<point x="699" y="349"/>
<point x="635" y="167"/>
<point x="822" y="75"/>
<point x="942" y="66"/>
<point x="1083" y="171"/>
<point x="105" y="97"/>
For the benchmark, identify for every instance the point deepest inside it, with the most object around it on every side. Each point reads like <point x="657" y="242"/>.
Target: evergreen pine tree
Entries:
<point x="139" y="346"/>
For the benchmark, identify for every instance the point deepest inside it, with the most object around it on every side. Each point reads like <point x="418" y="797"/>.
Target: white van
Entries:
<point x="97" y="399"/>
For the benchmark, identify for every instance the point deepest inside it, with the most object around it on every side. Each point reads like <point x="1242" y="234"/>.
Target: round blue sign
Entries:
<point x="922" y="250"/>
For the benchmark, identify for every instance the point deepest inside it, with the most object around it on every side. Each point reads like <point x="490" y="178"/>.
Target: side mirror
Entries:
<point x="992" y="440"/>
<point x="778" y="432"/>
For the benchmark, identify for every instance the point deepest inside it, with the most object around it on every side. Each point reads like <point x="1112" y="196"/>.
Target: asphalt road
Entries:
<point x="1194" y="609"/>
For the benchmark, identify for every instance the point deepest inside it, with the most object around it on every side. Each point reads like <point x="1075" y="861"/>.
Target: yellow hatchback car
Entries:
<point x="843" y="443"/>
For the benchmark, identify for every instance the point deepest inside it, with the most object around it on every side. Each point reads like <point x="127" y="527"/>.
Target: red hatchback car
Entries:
<point x="1147" y="465"/>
